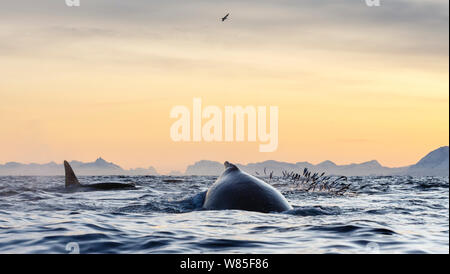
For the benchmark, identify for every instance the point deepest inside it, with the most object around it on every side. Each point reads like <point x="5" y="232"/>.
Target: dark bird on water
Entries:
<point x="225" y="17"/>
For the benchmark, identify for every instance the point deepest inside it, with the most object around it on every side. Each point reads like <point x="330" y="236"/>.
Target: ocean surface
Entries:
<point x="163" y="215"/>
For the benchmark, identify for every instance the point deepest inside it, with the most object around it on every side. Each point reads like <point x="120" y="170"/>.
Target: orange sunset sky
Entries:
<point x="352" y="83"/>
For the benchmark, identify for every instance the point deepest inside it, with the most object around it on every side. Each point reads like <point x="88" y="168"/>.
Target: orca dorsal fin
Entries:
<point x="71" y="179"/>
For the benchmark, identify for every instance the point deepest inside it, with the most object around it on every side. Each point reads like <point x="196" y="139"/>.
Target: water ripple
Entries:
<point x="391" y="214"/>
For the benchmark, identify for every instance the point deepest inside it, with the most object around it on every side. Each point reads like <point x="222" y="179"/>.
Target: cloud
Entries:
<point x="262" y="37"/>
<point x="398" y="26"/>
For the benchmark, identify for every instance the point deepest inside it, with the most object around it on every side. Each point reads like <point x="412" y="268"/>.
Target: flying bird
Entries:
<point x="225" y="17"/>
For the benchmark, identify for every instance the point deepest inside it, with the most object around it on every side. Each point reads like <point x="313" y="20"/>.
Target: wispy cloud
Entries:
<point x="397" y="26"/>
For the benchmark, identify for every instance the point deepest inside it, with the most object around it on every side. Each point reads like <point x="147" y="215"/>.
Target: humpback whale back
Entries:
<point x="71" y="178"/>
<point x="235" y="189"/>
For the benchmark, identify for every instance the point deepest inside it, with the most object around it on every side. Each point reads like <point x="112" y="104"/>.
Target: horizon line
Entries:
<point x="218" y="161"/>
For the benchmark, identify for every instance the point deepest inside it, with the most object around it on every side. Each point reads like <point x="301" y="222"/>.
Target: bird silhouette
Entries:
<point x="225" y="17"/>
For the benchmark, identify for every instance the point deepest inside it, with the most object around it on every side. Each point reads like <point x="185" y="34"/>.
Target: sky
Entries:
<point x="352" y="83"/>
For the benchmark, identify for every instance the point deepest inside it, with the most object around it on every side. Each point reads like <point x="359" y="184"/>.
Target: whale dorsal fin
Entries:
<point x="229" y="165"/>
<point x="71" y="179"/>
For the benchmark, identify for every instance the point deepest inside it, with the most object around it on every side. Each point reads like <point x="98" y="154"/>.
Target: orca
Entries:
<point x="73" y="183"/>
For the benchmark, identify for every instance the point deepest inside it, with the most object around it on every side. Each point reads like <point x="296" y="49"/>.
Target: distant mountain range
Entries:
<point x="99" y="167"/>
<point x="366" y="168"/>
<point x="435" y="163"/>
